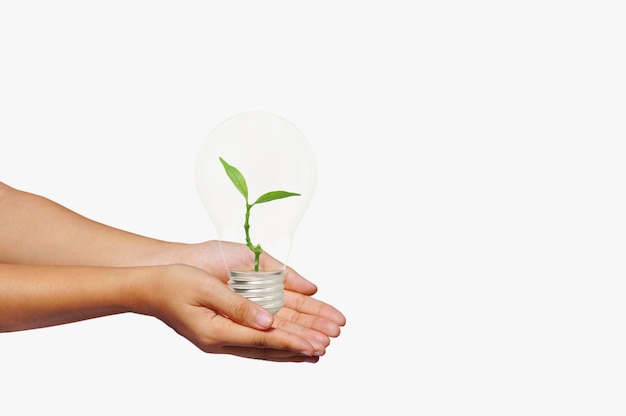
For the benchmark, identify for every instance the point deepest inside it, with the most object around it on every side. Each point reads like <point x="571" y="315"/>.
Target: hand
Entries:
<point x="302" y="315"/>
<point x="208" y="313"/>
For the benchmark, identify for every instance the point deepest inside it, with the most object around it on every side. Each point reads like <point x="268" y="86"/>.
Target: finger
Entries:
<point x="316" y="338"/>
<point x="219" y="297"/>
<point x="314" y="307"/>
<point x="293" y="280"/>
<point x="267" y="355"/>
<point x="230" y="334"/>
<point x="322" y="325"/>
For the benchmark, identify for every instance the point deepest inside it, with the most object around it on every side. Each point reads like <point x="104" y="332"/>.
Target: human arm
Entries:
<point x="41" y="234"/>
<point x="38" y="231"/>
<point x="193" y="303"/>
<point x="35" y="230"/>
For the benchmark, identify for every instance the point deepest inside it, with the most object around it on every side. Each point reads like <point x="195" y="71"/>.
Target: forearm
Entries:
<point x="36" y="230"/>
<point x="40" y="296"/>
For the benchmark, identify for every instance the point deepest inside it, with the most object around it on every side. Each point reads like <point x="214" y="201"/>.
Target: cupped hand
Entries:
<point x="201" y="308"/>
<point x="301" y="315"/>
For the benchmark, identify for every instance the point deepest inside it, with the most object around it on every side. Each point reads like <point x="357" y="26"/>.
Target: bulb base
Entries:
<point x="262" y="288"/>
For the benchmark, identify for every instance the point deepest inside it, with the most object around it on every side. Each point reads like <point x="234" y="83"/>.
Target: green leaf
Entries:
<point x="271" y="196"/>
<point x="236" y="177"/>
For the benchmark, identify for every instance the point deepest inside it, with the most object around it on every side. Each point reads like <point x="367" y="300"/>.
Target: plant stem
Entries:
<point x="257" y="250"/>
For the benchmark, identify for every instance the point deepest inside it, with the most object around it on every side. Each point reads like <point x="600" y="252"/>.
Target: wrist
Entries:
<point x="142" y="288"/>
<point x="149" y="288"/>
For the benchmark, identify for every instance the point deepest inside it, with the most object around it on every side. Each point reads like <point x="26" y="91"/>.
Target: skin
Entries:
<point x="57" y="267"/>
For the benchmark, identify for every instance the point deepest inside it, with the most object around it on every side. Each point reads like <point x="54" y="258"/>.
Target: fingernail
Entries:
<point x="264" y="319"/>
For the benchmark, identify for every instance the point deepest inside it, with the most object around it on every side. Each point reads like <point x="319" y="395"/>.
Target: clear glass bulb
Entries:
<point x="272" y="154"/>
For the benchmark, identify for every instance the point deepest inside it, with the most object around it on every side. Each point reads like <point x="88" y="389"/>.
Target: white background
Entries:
<point x="468" y="220"/>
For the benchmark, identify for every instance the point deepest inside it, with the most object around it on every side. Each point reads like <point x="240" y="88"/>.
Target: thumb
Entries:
<point x="237" y="308"/>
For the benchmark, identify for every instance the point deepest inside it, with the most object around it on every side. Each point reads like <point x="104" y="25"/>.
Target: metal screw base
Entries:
<point x="263" y="288"/>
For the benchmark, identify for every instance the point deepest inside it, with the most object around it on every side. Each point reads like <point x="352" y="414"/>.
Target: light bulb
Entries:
<point x="271" y="154"/>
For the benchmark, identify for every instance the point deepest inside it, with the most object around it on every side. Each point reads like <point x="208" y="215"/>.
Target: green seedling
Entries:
<point x="240" y="183"/>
